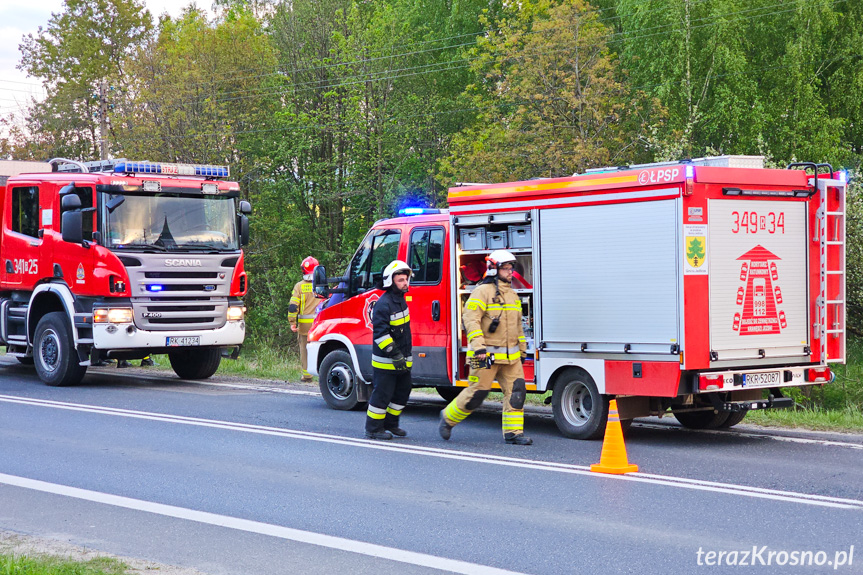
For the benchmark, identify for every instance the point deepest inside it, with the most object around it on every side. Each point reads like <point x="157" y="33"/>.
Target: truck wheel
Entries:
<point x="195" y="363"/>
<point x="701" y="419"/>
<point x="580" y="411"/>
<point x="734" y="418"/>
<point x="449" y="393"/>
<point x="53" y="352"/>
<point x="338" y="381"/>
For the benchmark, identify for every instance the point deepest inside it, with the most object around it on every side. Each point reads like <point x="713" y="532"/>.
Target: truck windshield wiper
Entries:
<point x="145" y="247"/>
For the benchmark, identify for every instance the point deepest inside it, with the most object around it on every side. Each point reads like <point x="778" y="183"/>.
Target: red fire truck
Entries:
<point x="702" y="287"/>
<point x="121" y="259"/>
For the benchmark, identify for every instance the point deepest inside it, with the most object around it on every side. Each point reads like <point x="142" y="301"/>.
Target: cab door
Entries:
<point x="76" y="261"/>
<point x="428" y="301"/>
<point x="25" y="255"/>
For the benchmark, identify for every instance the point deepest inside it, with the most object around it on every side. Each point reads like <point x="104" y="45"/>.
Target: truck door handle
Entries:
<point x="435" y="310"/>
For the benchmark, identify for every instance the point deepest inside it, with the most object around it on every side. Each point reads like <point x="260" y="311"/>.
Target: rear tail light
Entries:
<point x="818" y="374"/>
<point x="708" y="382"/>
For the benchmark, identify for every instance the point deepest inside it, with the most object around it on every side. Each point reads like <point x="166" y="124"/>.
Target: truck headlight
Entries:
<point x="112" y="315"/>
<point x="236" y="313"/>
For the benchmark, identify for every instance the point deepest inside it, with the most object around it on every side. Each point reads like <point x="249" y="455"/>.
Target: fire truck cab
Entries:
<point x="121" y="259"/>
<point x="702" y="287"/>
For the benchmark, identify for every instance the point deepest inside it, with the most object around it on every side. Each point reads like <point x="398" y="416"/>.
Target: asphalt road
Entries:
<point x="237" y="479"/>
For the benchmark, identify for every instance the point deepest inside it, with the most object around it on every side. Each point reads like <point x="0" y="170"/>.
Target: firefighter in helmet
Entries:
<point x="391" y="355"/>
<point x="301" y="311"/>
<point x="496" y="350"/>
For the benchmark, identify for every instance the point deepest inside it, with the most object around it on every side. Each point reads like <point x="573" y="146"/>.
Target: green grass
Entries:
<point x="255" y="361"/>
<point x="50" y="565"/>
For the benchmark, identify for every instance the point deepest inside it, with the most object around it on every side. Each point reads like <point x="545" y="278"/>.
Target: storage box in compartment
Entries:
<point x="472" y="238"/>
<point x="519" y="237"/>
<point x="495" y="240"/>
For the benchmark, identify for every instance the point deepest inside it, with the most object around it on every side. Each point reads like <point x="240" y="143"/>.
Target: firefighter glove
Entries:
<point x="400" y="363"/>
<point x="523" y="356"/>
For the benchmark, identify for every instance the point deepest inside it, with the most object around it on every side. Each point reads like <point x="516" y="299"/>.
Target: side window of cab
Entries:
<point x="25" y="211"/>
<point x="378" y="249"/>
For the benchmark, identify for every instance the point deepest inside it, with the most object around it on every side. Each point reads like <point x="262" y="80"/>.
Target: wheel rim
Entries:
<point x="340" y="381"/>
<point x="577" y="403"/>
<point x="49" y="350"/>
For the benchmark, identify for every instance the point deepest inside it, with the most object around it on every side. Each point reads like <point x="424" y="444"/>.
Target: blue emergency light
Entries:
<point x="168" y="169"/>
<point x="843" y="176"/>
<point x="155" y="287"/>
<point x="690" y="172"/>
<point x="418" y="211"/>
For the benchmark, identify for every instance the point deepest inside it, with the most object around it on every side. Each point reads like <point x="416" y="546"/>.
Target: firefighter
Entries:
<point x="496" y="350"/>
<point x="391" y="355"/>
<point x="301" y="312"/>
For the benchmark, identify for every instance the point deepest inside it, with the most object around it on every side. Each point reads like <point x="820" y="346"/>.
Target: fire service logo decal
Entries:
<point x="369" y="308"/>
<point x="759" y="298"/>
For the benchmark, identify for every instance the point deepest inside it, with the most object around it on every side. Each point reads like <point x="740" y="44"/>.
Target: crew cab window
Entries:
<point x="426" y="255"/>
<point x="368" y="264"/>
<point x="25" y="211"/>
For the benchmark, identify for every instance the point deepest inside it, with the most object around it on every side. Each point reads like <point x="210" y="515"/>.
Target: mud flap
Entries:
<point x="364" y="391"/>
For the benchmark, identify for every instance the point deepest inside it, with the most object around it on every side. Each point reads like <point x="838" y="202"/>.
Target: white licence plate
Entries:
<point x="183" y="341"/>
<point x="761" y="379"/>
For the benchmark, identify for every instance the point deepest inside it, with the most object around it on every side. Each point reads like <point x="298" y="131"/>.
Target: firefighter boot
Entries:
<point x="123" y="363"/>
<point x="147" y="362"/>
<point x="375" y="424"/>
<point x="517" y="439"/>
<point x="445" y="429"/>
<point x="380" y="434"/>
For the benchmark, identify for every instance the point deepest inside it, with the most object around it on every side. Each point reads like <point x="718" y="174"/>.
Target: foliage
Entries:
<point x="83" y="50"/>
<point x="550" y="98"/>
<point x="48" y="565"/>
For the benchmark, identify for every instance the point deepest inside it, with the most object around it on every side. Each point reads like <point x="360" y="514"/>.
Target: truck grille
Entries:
<point x="186" y="299"/>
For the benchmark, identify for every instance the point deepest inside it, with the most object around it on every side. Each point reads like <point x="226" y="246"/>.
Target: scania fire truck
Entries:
<point x="705" y="287"/>
<point x="122" y="259"/>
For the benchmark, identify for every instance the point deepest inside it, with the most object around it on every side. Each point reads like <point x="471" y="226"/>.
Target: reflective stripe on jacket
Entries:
<point x="301" y="308"/>
<point x="391" y="330"/>
<point x="487" y="302"/>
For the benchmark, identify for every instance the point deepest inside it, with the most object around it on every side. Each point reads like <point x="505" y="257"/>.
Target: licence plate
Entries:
<point x="761" y="379"/>
<point x="183" y="341"/>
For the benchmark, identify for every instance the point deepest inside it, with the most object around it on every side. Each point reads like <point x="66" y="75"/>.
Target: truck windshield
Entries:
<point x="169" y="222"/>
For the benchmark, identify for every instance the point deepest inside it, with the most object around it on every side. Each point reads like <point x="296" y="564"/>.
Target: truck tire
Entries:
<point x="734" y="418"/>
<point x="195" y="363"/>
<point x="701" y="419"/>
<point x="54" y="353"/>
<point x="338" y="381"/>
<point x="580" y="411"/>
<point x="449" y="392"/>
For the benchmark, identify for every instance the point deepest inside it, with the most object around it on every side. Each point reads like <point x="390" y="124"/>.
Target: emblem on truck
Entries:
<point x="183" y="263"/>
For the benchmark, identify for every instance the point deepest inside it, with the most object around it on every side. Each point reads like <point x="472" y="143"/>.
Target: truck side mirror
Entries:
<point x="70" y="202"/>
<point x="73" y="224"/>
<point x="319" y="281"/>
<point x="244" y="229"/>
<point x="245" y="207"/>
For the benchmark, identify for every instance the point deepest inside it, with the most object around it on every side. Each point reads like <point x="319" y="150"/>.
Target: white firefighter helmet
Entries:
<point x="393" y="268"/>
<point x="498" y="258"/>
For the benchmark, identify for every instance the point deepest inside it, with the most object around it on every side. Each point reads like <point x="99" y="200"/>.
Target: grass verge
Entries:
<point x="50" y="565"/>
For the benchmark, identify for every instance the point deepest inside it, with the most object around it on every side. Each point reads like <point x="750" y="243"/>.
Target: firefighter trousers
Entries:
<point x="304" y="356"/>
<point x="390" y="392"/>
<point x="510" y="376"/>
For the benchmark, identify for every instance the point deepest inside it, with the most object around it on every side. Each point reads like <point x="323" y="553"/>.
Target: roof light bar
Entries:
<point x="167" y="169"/>
<point x="418" y="211"/>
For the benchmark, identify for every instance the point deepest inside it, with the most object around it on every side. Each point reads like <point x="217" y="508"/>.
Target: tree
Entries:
<point x="78" y="57"/>
<point x="550" y="99"/>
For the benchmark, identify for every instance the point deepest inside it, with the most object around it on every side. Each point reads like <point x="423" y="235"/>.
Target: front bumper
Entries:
<point x="127" y="336"/>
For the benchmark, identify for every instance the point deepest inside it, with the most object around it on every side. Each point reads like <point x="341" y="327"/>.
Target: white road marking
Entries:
<point x="664" y="480"/>
<point x="319" y="539"/>
<point x="756" y="435"/>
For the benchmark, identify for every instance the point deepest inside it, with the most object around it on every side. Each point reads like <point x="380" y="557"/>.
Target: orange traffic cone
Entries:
<point x="613" y="458"/>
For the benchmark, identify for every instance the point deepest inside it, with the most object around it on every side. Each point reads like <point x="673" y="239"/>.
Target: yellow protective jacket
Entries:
<point x="488" y="301"/>
<point x="301" y="309"/>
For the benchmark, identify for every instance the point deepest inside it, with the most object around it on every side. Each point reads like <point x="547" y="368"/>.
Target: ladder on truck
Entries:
<point x="831" y="308"/>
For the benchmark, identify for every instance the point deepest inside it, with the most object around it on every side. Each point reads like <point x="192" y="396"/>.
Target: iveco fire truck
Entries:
<point x="122" y="259"/>
<point x="704" y="287"/>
